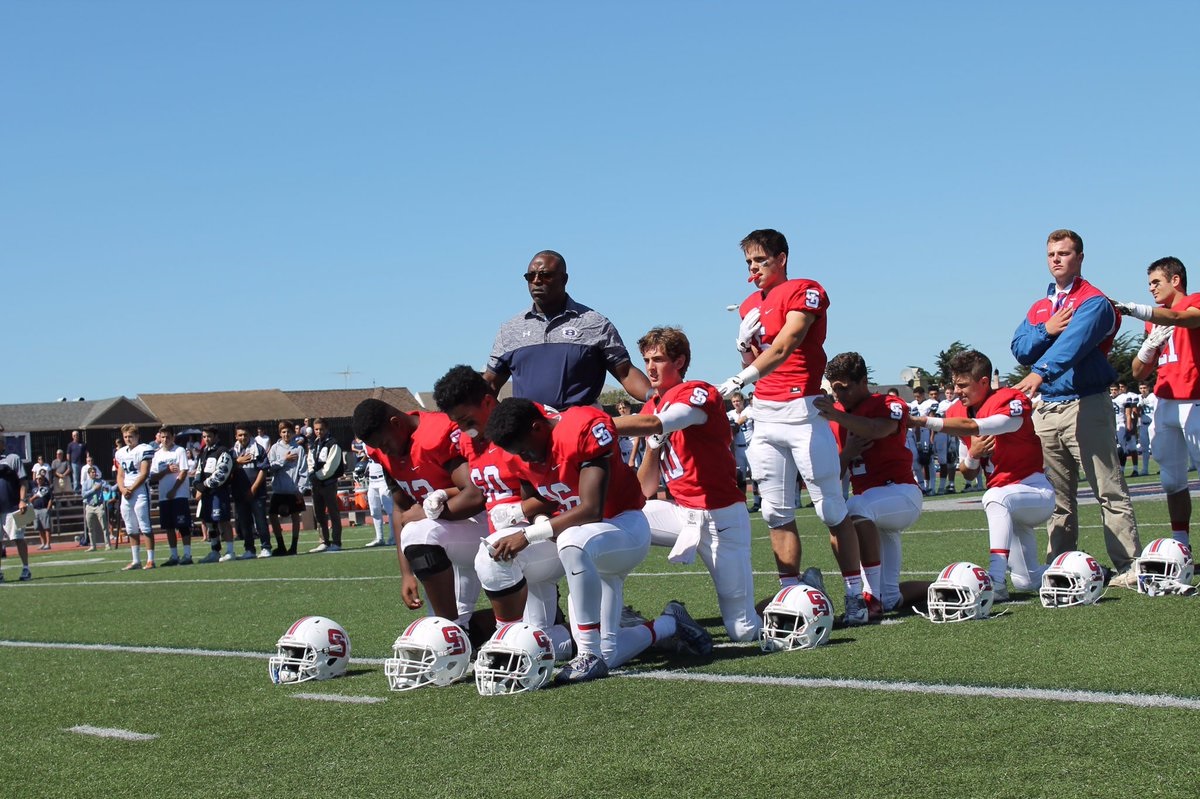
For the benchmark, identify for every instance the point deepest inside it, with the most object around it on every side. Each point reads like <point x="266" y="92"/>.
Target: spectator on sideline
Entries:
<point x="325" y="465"/>
<point x="250" y="493"/>
<point x="42" y="500"/>
<point x="285" y="459"/>
<point x="60" y="471"/>
<point x="95" y="519"/>
<point x="77" y="454"/>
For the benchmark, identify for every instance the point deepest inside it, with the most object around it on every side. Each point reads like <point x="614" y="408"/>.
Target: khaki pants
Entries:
<point x="1081" y="434"/>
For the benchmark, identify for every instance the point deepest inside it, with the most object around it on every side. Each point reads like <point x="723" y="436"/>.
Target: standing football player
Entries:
<point x="996" y="427"/>
<point x="688" y="437"/>
<point x="782" y="339"/>
<point x="1147" y="403"/>
<point x="1173" y="347"/>
<point x="133" y="480"/>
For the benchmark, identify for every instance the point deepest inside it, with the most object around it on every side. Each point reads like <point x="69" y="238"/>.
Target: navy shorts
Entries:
<point x="175" y="514"/>
<point x="216" y="506"/>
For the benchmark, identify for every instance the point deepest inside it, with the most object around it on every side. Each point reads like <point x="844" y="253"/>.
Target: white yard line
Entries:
<point x="110" y="732"/>
<point x="980" y="691"/>
<point x="353" y="700"/>
<point x="816" y="683"/>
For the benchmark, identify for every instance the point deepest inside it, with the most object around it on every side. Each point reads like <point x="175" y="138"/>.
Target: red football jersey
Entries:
<point x="887" y="460"/>
<point x="697" y="461"/>
<point x="586" y="434"/>
<point x="1178" y="372"/>
<point x="800" y="375"/>
<point x="1017" y="455"/>
<point x="495" y="472"/>
<point x="422" y="470"/>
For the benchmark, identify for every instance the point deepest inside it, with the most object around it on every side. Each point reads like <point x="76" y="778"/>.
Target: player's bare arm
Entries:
<point x="862" y="426"/>
<point x="632" y="379"/>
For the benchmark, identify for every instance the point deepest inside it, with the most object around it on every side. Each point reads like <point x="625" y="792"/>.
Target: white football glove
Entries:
<point x="434" y="504"/>
<point x="1142" y="312"/>
<point x="656" y="440"/>
<point x="510" y="514"/>
<point x="749" y="331"/>
<point x="1159" y="335"/>
<point x="731" y="386"/>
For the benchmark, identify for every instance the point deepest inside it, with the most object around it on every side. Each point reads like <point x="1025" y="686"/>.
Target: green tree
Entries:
<point x="941" y="371"/>
<point x="1124" y="350"/>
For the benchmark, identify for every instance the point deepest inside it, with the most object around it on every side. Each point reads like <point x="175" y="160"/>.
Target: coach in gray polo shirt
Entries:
<point x="559" y="351"/>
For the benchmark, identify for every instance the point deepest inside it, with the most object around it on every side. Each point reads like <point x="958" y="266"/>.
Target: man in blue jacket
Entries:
<point x="1065" y="339"/>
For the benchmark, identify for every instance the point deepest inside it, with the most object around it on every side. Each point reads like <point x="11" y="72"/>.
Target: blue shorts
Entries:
<point x="175" y="514"/>
<point x="216" y="506"/>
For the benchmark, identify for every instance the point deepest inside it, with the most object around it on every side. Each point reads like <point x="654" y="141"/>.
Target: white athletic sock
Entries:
<point x="1181" y="536"/>
<point x="228" y="547"/>
<point x="149" y="555"/>
<point x="135" y="553"/>
<point x="854" y="584"/>
<point x="187" y="550"/>
<point x="998" y="567"/>
<point x="873" y="577"/>
<point x="791" y="579"/>
<point x="175" y="551"/>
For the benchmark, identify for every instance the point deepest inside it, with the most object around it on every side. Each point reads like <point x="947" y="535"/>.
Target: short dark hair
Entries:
<point x="285" y="423"/>
<point x="211" y="430"/>
<point x="1171" y="266"/>
<point x="772" y="241"/>
<point x="919" y="389"/>
<point x="562" y="262"/>
<point x="847" y="366"/>
<point x="512" y="419"/>
<point x="370" y="416"/>
<point x="1063" y="233"/>
<point x="672" y="341"/>
<point x="461" y="385"/>
<point x="972" y="363"/>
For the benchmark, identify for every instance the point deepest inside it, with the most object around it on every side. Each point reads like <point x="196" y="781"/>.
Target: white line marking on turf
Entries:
<point x="159" y="650"/>
<point x="354" y="700"/>
<point x="110" y="732"/>
<point x="981" y="691"/>
<point x="80" y="562"/>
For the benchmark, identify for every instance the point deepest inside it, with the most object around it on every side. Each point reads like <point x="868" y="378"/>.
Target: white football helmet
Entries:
<point x="961" y="592"/>
<point x="519" y="657"/>
<point x="799" y="617"/>
<point x="314" y="648"/>
<point x="431" y="651"/>
<point x="1074" y="578"/>
<point x="1165" y="567"/>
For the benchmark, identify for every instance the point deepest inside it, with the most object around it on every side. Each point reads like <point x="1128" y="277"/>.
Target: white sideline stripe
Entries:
<point x="110" y="732"/>
<point x="67" y="562"/>
<point x="982" y="691"/>
<point x="159" y="650"/>
<point x="989" y="692"/>
<point x="119" y="583"/>
<point x="354" y="700"/>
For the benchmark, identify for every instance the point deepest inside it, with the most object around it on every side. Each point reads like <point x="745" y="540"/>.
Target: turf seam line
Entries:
<point x="110" y="732"/>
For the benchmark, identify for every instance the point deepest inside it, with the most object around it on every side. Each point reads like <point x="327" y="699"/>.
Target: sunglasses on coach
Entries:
<point x="539" y="277"/>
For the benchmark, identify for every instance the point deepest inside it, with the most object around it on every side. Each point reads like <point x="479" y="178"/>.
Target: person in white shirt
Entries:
<point x="169" y="469"/>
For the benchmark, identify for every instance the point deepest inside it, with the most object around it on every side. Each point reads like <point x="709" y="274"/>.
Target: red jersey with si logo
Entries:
<point x="422" y="470"/>
<point x="1178" y="373"/>
<point x="587" y="434"/>
<point x="697" y="461"/>
<point x="888" y="460"/>
<point x="1017" y="455"/>
<point x="800" y="375"/>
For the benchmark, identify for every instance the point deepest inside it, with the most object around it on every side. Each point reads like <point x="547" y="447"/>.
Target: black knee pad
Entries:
<point x="512" y="589"/>
<point x="427" y="560"/>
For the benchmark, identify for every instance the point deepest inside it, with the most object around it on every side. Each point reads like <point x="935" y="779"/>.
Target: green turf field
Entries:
<point x="741" y="724"/>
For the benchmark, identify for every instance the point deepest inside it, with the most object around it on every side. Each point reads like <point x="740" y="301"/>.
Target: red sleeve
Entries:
<point x="807" y="296"/>
<point x="597" y="437"/>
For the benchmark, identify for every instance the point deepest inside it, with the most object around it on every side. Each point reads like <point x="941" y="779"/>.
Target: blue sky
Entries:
<point x="229" y="195"/>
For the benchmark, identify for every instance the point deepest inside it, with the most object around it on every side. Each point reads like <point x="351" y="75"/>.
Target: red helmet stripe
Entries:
<point x="301" y="620"/>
